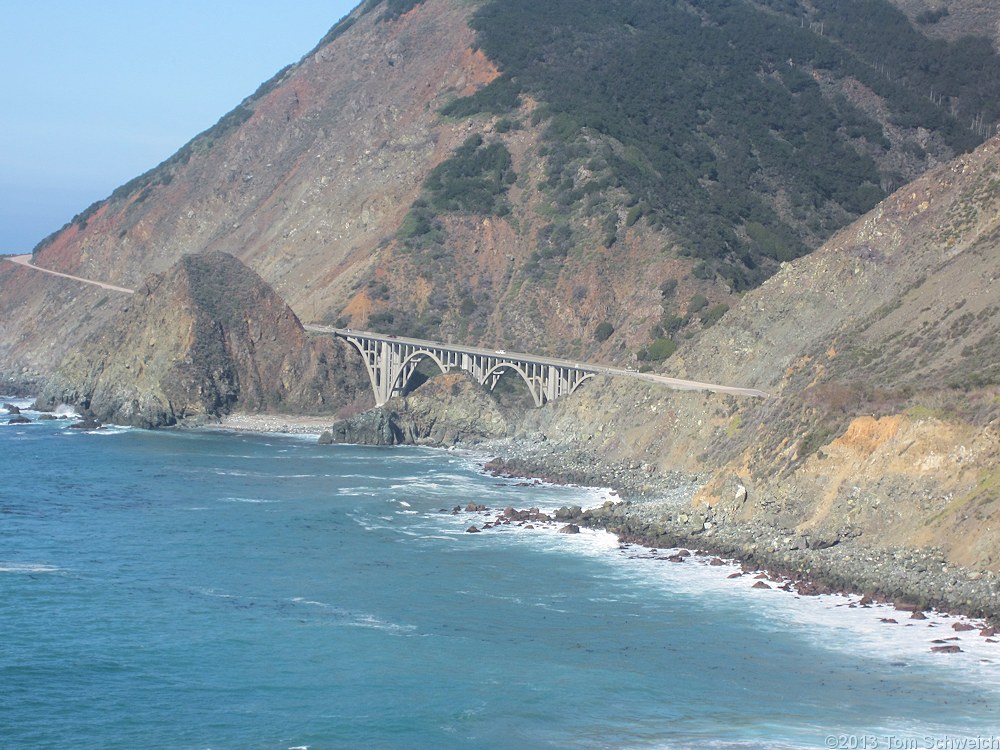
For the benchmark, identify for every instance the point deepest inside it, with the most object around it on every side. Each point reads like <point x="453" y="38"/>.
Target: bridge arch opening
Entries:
<point x="417" y="369"/>
<point x="511" y="387"/>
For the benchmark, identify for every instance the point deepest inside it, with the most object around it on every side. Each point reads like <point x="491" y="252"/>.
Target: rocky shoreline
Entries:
<point x="657" y="512"/>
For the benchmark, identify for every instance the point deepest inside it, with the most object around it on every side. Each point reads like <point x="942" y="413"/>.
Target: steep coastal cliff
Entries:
<point x="197" y="341"/>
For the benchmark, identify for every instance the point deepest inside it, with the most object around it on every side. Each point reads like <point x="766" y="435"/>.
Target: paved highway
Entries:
<point x="25" y="260"/>
<point x="673" y="383"/>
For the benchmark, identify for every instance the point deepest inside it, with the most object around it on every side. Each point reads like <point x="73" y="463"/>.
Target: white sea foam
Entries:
<point x="67" y="411"/>
<point x="15" y="567"/>
<point x="106" y="430"/>
<point x="829" y="621"/>
<point x="251" y="500"/>
<point x="347" y="618"/>
<point x="216" y="594"/>
<point x="20" y="403"/>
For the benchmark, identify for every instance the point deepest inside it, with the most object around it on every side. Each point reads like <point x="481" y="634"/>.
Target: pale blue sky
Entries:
<point x="95" y="93"/>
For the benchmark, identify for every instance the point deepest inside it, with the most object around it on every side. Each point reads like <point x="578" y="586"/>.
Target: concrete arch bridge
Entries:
<point x="392" y="360"/>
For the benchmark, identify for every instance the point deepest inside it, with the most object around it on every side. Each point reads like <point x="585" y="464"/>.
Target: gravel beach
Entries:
<point x="657" y="513"/>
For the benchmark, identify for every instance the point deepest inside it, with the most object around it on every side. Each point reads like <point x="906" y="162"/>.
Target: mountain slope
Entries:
<point x="881" y="352"/>
<point x="618" y="224"/>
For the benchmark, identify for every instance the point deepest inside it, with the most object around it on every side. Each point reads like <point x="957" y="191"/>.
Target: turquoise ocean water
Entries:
<point x="211" y="590"/>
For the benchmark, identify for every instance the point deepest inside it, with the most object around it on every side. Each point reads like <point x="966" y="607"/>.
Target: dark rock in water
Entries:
<point x="918" y="615"/>
<point x="760" y="585"/>
<point x="988" y="632"/>
<point x="11" y="409"/>
<point x="570" y="528"/>
<point x="47" y="418"/>
<point x="949" y="649"/>
<point x="19" y="420"/>
<point x="962" y="626"/>
<point x="735" y="575"/>
<point x="86" y="424"/>
<point x="808" y="588"/>
<point x="475" y="508"/>
<point x="565" y="513"/>
<point x="716" y="561"/>
<point x="472" y="530"/>
<point x="890" y="620"/>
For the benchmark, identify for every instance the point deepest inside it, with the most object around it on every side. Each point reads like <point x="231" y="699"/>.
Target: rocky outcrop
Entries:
<point x="448" y="409"/>
<point x="198" y="341"/>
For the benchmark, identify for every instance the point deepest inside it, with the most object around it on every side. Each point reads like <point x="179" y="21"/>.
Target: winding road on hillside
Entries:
<point x="25" y="260"/>
<point x="676" y="384"/>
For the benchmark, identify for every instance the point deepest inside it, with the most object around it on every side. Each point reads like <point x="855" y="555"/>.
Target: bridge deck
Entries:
<point x="515" y="359"/>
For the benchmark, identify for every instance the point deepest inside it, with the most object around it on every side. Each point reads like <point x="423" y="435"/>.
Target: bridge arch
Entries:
<point x="391" y="362"/>
<point x="409" y="366"/>
<point x="492" y="377"/>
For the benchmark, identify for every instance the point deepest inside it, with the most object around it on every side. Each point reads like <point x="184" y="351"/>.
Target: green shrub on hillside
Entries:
<point x="698" y="302"/>
<point x="603" y="331"/>
<point x="658" y="351"/>
<point x="716" y="117"/>
<point x="474" y="179"/>
<point x="712" y="315"/>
